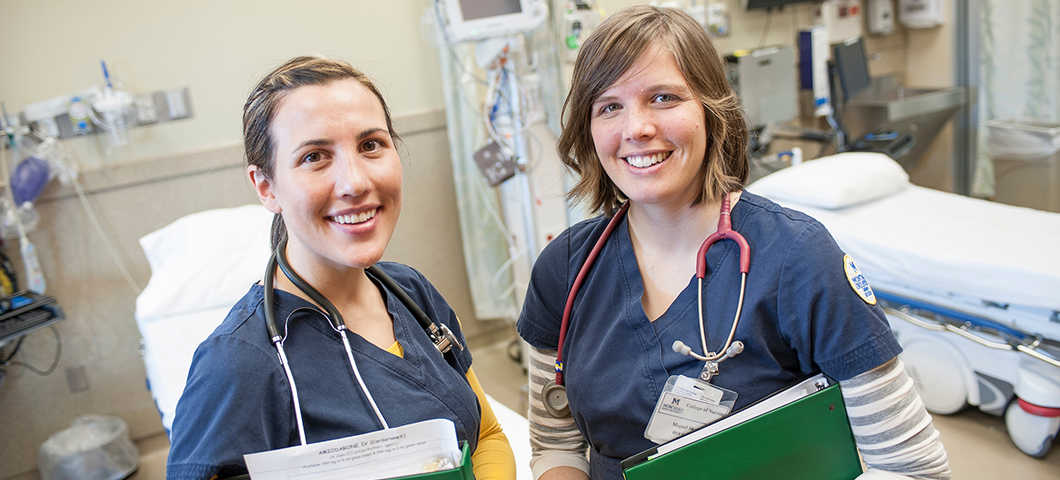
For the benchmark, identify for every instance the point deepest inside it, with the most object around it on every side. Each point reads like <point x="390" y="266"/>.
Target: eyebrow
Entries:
<point x="323" y="142"/>
<point x="654" y="89"/>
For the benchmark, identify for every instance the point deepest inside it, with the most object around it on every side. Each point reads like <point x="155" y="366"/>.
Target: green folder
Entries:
<point x="809" y="439"/>
<point x="461" y="473"/>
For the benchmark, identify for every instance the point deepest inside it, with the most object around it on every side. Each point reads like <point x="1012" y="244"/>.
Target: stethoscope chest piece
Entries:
<point x="555" y="399"/>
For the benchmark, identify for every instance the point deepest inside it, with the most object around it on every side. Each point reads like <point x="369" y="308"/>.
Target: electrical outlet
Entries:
<point x="146" y="112"/>
<point x="77" y="379"/>
<point x="176" y="104"/>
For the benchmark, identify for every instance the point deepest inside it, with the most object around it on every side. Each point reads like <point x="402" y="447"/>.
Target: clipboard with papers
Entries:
<point x="798" y="433"/>
<point x="463" y="472"/>
<point x="405" y="452"/>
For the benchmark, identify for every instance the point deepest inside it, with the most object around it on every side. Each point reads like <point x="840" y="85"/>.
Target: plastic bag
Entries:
<point x="1023" y="139"/>
<point x="95" y="447"/>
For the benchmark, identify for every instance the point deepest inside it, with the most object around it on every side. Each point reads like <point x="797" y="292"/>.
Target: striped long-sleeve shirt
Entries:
<point x="892" y="429"/>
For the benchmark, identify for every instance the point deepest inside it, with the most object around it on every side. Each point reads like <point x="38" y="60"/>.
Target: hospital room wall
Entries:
<point x="217" y="49"/>
<point x="100" y="336"/>
<point x="931" y="64"/>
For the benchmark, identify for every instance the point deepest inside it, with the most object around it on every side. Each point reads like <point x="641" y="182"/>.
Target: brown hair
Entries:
<point x="606" y="55"/>
<point x="266" y="97"/>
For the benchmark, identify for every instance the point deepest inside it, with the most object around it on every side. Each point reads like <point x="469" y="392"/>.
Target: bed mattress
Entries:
<point x="944" y="243"/>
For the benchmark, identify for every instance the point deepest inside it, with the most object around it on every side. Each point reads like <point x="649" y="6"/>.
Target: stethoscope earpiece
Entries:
<point x="554" y="397"/>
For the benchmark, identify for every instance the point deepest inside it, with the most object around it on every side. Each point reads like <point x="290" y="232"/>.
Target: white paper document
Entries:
<point x="395" y="452"/>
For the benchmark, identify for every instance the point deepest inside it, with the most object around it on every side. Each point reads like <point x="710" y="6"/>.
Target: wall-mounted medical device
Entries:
<point x="813" y="68"/>
<point x="766" y="84"/>
<point x="841" y="19"/>
<point x="579" y="20"/>
<point x="920" y="13"/>
<point x="69" y="116"/>
<point x="470" y="20"/>
<point x="880" y="16"/>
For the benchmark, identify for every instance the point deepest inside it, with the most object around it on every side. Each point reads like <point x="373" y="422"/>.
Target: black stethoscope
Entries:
<point x="554" y="394"/>
<point x="440" y="335"/>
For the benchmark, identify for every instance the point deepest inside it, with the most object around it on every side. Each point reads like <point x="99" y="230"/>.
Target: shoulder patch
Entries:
<point x="857" y="281"/>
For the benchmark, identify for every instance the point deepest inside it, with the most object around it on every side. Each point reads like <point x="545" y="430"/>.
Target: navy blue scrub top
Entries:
<point x="237" y="399"/>
<point x="801" y="316"/>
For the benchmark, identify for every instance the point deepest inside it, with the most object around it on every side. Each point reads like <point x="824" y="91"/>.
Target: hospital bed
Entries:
<point x="201" y="265"/>
<point x="971" y="288"/>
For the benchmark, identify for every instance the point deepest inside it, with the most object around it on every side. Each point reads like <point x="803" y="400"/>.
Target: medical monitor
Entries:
<point x="851" y="67"/>
<point x="758" y="4"/>
<point x="469" y="20"/>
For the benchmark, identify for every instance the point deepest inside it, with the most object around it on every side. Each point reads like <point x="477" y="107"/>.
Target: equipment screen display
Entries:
<point x="852" y="67"/>
<point x="477" y="9"/>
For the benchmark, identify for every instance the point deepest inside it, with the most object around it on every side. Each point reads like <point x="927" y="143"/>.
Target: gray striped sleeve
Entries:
<point x="891" y="427"/>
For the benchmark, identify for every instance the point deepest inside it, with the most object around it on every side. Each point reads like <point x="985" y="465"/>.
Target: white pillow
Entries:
<point x="835" y="182"/>
<point x="204" y="260"/>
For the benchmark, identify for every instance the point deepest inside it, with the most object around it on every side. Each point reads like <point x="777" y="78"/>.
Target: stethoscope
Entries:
<point x="440" y="335"/>
<point x="554" y="394"/>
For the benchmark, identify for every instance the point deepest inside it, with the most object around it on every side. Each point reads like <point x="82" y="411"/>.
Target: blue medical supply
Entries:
<point x="29" y="179"/>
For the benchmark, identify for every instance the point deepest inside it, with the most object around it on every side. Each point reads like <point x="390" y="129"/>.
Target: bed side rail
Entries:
<point x="972" y="327"/>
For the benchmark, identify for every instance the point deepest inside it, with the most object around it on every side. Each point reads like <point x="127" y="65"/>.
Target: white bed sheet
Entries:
<point x="935" y="241"/>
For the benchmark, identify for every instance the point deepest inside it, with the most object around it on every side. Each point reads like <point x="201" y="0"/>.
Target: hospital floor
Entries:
<point x="977" y="443"/>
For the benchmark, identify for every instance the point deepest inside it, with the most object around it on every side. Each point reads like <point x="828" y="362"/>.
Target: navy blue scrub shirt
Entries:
<point x="801" y="316"/>
<point x="237" y="399"/>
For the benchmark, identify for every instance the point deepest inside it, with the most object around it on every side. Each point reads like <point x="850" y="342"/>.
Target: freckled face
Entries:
<point x="336" y="176"/>
<point x="650" y="132"/>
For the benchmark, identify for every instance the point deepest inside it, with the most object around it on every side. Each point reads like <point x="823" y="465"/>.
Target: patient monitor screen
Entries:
<point x="476" y="9"/>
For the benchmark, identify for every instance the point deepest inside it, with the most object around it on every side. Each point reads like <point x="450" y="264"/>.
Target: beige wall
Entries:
<point x="931" y="65"/>
<point x="217" y="49"/>
<point x="100" y="333"/>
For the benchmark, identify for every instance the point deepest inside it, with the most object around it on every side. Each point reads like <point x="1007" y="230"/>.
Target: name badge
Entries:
<point x="687" y="404"/>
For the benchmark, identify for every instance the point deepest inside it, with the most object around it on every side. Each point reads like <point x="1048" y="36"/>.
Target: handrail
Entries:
<point x="966" y="333"/>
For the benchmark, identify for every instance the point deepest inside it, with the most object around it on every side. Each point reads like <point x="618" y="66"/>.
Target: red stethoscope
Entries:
<point x="554" y="394"/>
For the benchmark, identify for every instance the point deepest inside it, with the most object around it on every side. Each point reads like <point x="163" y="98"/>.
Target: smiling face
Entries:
<point x="336" y="176"/>
<point x="649" y="130"/>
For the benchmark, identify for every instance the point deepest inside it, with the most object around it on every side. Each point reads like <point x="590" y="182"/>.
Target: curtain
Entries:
<point x="1020" y="72"/>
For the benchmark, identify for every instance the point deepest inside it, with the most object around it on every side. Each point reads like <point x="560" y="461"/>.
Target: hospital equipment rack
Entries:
<point x="24" y="312"/>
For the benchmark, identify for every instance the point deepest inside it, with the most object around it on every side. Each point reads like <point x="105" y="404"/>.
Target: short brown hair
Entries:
<point x="606" y="55"/>
<point x="265" y="99"/>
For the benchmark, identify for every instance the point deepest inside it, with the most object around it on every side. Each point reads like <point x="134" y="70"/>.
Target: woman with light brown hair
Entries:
<point x="659" y="143"/>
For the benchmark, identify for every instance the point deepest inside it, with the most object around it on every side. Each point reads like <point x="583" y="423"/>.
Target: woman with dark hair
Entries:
<point x="658" y="140"/>
<point x="322" y="155"/>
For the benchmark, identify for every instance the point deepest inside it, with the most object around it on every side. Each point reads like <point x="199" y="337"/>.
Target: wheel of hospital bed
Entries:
<point x="938" y="370"/>
<point x="1031" y="433"/>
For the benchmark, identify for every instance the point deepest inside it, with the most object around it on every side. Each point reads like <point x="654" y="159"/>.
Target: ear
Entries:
<point x="263" y="187"/>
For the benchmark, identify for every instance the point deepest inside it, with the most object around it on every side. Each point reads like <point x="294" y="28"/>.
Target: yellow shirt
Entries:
<point x="493" y="459"/>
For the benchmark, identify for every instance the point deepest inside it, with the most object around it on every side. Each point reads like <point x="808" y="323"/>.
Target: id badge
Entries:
<point x="687" y="404"/>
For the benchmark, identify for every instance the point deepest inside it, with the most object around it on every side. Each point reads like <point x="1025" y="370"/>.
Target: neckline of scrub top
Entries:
<point x="685" y="300"/>
<point x="412" y="355"/>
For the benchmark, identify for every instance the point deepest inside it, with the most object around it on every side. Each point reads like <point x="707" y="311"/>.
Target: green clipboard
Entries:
<point x="808" y="439"/>
<point x="463" y="472"/>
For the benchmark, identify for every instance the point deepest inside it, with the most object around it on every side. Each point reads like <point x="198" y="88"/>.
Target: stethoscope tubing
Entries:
<point x="279" y="259"/>
<point x="723" y="232"/>
<point x="615" y="220"/>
